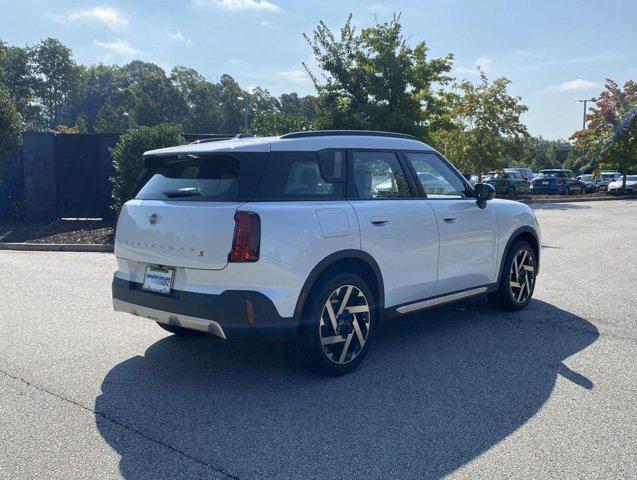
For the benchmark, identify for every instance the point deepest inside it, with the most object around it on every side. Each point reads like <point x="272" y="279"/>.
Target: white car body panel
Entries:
<point x="402" y="236"/>
<point x="468" y="244"/>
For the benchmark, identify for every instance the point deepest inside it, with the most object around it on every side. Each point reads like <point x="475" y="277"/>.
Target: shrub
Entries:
<point x="127" y="156"/>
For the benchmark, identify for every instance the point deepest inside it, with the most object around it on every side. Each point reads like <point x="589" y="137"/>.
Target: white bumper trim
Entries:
<point x="179" y="320"/>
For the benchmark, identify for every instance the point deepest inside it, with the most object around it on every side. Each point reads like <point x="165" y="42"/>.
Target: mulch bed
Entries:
<point x="96" y="232"/>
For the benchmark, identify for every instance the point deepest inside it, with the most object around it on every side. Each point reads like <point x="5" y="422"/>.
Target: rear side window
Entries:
<point x="303" y="176"/>
<point x="378" y="175"/>
<point x="211" y="177"/>
<point x="437" y="178"/>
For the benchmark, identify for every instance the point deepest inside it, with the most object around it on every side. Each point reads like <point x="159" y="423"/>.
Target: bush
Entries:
<point x="127" y="156"/>
<point x="10" y="123"/>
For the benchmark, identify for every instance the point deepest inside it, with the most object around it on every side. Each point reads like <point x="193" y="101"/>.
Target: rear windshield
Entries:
<point x="553" y="174"/>
<point x="212" y="178"/>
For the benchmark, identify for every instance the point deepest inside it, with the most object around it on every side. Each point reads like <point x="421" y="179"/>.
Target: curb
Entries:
<point x="52" y="247"/>
<point x="579" y="199"/>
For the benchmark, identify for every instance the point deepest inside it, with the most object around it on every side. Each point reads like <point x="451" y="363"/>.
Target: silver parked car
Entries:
<point x="616" y="186"/>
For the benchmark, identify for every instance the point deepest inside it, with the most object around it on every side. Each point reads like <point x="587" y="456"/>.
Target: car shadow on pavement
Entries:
<point x="436" y="391"/>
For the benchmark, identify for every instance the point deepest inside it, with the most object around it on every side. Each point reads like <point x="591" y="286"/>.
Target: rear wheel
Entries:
<point x="337" y="326"/>
<point x="518" y="279"/>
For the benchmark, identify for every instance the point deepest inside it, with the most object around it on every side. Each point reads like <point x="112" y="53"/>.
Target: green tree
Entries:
<point x="275" y="122"/>
<point x="58" y="79"/>
<point x="127" y="156"/>
<point x="375" y="80"/>
<point x="486" y="132"/>
<point x="10" y="123"/>
<point x="612" y="106"/>
<point x="17" y="75"/>
<point x="202" y="100"/>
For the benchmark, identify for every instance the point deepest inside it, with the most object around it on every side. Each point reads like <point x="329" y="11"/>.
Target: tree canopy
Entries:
<point x="374" y="80"/>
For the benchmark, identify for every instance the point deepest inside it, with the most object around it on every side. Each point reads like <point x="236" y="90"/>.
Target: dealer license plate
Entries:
<point x="159" y="279"/>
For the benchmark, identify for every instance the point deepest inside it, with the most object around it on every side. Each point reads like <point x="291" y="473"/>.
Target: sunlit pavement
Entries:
<point x="462" y="390"/>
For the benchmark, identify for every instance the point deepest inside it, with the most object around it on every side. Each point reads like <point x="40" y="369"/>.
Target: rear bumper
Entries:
<point x="231" y="314"/>
<point x="548" y="189"/>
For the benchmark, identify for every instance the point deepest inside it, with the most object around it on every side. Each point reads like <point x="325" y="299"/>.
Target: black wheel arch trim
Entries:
<point x="327" y="262"/>
<point x="516" y="233"/>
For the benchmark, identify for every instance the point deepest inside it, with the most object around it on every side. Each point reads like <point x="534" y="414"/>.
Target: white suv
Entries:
<point x="314" y="237"/>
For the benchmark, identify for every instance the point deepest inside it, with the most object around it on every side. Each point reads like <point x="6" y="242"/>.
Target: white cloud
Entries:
<point x="263" y="5"/>
<point x="119" y="47"/>
<point x="235" y="61"/>
<point x="180" y="37"/>
<point x="265" y="23"/>
<point x="574" y="85"/>
<point x="296" y="75"/>
<point x="112" y="18"/>
<point x="484" y="63"/>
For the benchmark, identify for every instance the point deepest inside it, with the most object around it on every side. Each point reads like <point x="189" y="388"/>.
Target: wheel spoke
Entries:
<point x="358" y="309"/>
<point x="332" y="340"/>
<point x="330" y="313"/>
<point x="343" y="304"/>
<point x="345" y="348"/>
<point x="359" y="334"/>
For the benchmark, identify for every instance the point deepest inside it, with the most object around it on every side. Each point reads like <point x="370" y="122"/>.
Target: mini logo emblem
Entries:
<point x="154" y="218"/>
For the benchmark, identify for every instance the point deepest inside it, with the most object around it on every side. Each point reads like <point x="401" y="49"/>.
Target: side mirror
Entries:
<point x="484" y="192"/>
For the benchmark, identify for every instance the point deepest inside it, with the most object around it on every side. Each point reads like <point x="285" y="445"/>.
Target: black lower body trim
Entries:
<point x="229" y="309"/>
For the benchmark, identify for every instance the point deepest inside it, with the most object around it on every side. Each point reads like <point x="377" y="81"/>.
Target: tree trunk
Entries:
<point x="624" y="182"/>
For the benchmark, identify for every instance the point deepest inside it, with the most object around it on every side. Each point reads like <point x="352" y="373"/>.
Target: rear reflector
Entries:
<point x="247" y="237"/>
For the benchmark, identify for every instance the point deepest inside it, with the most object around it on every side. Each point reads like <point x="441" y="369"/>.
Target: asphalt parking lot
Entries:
<point x="461" y="391"/>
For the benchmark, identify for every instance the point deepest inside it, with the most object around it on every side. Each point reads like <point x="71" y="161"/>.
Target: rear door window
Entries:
<point x="378" y="175"/>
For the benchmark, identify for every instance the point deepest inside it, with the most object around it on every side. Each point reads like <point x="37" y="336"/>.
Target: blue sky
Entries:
<point x="555" y="52"/>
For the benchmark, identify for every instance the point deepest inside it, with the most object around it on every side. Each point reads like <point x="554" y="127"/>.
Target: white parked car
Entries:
<point x="290" y="238"/>
<point x="616" y="185"/>
<point x="605" y="178"/>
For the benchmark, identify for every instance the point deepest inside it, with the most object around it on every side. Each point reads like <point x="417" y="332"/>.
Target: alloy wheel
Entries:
<point x="522" y="276"/>
<point x="345" y="324"/>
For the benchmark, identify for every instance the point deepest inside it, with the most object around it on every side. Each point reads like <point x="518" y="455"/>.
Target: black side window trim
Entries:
<point x="414" y="175"/>
<point x="351" y="193"/>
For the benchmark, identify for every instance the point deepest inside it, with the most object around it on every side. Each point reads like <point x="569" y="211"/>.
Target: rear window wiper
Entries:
<point x="183" y="192"/>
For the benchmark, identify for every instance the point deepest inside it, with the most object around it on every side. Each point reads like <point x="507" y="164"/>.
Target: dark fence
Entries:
<point x="61" y="176"/>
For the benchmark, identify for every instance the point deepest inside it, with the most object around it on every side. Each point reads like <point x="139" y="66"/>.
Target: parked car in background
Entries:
<point x="590" y="183"/>
<point x="605" y="178"/>
<point x="509" y="182"/>
<point x="526" y="173"/>
<point x="472" y="178"/>
<point x="556" y="181"/>
<point x="616" y="186"/>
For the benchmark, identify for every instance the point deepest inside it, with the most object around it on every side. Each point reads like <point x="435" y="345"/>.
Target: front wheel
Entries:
<point x="337" y="326"/>
<point x="517" y="282"/>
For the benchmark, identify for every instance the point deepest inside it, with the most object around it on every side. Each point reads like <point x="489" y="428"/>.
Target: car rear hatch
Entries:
<point x="184" y="214"/>
<point x="180" y="234"/>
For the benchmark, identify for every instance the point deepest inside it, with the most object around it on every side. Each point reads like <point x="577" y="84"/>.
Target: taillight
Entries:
<point x="559" y="181"/>
<point x="505" y="183"/>
<point x="533" y="182"/>
<point x="247" y="237"/>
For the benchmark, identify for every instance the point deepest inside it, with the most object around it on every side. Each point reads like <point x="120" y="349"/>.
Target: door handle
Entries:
<point x="379" y="221"/>
<point x="450" y="219"/>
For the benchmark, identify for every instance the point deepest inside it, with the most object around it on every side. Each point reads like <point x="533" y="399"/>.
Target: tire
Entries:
<point x="181" y="331"/>
<point x="582" y="191"/>
<point x="514" y="292"/>
<point x="320" y="346"/>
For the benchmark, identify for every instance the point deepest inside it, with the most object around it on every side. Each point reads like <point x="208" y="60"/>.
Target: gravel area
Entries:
<point x="97" y="232"/>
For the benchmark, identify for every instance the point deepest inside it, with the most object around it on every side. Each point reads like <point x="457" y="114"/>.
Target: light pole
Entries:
<point x="585" y="101"/>
<point x="245" y="112"/>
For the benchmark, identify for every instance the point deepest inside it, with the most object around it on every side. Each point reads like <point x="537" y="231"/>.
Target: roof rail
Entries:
<point x="357" y="133"/>
<point x="216" y="138"/>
